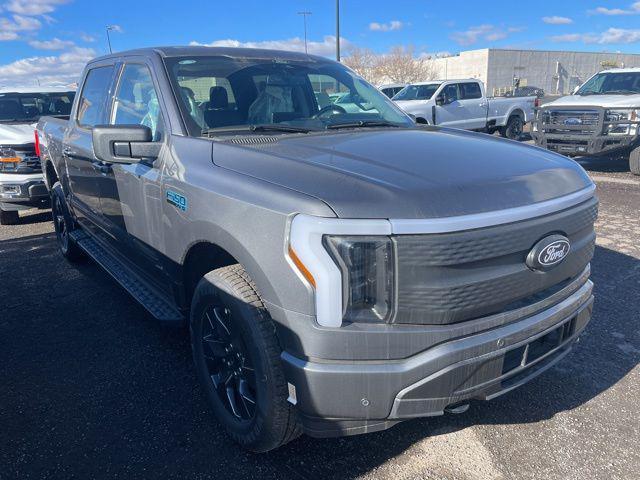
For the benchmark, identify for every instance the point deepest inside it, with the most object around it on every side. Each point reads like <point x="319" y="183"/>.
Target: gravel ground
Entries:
<point x="92" y="387"/>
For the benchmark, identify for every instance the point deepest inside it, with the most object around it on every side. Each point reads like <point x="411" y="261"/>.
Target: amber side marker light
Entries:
<point x="9" y="160"/>
<point x="298" y="263"/>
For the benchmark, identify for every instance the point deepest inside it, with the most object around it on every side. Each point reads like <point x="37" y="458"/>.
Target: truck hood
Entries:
<point x="16" y="134"/>
<point x="606" y="101"/>
<point x="413" y="106"/>
<point x="406" y="173"/>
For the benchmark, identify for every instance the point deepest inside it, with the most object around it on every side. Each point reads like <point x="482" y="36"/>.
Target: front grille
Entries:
<point x="581" y="122"/>
<point x="454" y="277"/>
<point x="29" y="161"/>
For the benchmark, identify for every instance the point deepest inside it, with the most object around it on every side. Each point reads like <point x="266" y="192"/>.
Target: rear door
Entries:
<point x="473" y="106"/>
<point x="82" y="166"/>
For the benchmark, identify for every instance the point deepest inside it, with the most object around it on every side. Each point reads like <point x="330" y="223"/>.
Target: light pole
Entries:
<point x="338" y="30"/>
<point x="304" y="16"/>
<point x="109" y="28"/>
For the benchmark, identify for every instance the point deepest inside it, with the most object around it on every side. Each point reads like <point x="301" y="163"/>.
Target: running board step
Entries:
<point x="137" y="288"/>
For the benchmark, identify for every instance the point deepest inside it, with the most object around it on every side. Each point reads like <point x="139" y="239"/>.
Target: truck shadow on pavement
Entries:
<point x="94" y="387"/>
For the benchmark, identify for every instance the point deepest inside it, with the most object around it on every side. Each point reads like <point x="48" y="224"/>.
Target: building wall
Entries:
<point x="469" y="64"/>
<point x="556" y="72"/>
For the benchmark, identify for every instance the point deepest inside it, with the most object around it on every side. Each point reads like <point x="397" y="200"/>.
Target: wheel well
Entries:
<point x="202" y="258"/>
<point x="51" y="175"/>
<point x="422" y="121"/>
<point x="517" y="113"/>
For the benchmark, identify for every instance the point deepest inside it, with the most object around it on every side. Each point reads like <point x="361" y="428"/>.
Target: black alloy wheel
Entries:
<point x="228" y="363"/>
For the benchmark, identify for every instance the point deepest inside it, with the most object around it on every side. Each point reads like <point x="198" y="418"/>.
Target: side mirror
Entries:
<point x="125" y="144"/>
<point x="441" y="100"/>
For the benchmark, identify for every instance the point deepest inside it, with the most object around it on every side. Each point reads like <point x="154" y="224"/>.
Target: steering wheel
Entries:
<point x="327" y="109"/>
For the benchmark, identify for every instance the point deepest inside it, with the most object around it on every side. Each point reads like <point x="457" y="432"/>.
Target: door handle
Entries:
<point x="102" y="168"/>
<point x="68" y="152"/>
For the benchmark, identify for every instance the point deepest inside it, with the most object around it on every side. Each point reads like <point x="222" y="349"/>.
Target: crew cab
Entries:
<point x="21" y="183"/>
<point x="464" y="104"/>
<point x="600" y="118"/>
<point x="339" y="271"/>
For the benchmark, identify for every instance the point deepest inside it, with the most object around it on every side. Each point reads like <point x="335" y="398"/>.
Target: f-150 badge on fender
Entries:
<point x="177" y="200"/>
<point x="548" y="252"/>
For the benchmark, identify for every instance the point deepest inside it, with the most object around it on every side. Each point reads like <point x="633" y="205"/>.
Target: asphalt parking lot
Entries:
<point x="92" y="387"/>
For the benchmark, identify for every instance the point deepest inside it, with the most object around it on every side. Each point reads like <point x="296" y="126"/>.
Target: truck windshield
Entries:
<point x="216" y="94"/>
<point x="29" y="107"/>
<point x="623" y="83"/>
<point x="417" y="92"/>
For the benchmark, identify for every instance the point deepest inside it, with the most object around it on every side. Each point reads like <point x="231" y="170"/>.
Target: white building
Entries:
<point x="557" y="72"/>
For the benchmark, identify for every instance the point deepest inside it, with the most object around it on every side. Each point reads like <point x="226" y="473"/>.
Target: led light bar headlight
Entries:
<point x="347" y="263"/>
<point x="367" y="268"/>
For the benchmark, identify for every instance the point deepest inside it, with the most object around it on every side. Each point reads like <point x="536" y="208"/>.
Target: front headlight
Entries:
<point x="366" y="264"/>
<point x="619" y="116"/>
<point x="347" y="264"/>
<point x="9" y="160"/>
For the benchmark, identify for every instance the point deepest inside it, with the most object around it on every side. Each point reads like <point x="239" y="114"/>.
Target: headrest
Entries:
<point x="218" y="98"/>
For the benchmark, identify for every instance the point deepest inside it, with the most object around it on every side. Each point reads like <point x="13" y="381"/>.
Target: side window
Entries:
<point x="469" y="91"/>
<point x="451" y="92"/>
<point x="91" y="107"/>
<point x="136" y="100"/>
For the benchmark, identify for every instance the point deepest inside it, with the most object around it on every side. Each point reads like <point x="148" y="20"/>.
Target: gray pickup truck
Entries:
<point x="340" y="269"/>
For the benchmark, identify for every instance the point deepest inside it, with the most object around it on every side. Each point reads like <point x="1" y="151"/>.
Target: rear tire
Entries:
<point x="513" y="129"/>
<point x="63" y="224"/>
<point x="234" y="344"/>
<point x="10" y="217"/>
<point x="634" y="161"/>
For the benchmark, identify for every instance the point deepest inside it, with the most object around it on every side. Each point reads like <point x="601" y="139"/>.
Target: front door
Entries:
<point x="82" y="165"/>
<point x="130" y="197"/>
<point x="451" y="114"/>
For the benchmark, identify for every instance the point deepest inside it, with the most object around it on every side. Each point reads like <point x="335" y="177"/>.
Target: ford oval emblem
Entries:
<point x="548" y="252"/>
<point x="573" y="121"/>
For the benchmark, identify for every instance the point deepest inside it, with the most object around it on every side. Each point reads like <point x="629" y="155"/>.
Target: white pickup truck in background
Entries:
<point x="602" y="117"/>
<point x="464" y="104"/>
<point x="21" y="181"/>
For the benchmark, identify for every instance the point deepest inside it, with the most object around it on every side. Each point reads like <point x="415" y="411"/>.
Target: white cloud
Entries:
<point x="386" y="27"/>
<point x="53" y="44"/>
<point x="55" y="69"/>
<point x="33" y="7"/>
<point x="610" y="36"/>
<point x="325" y="48"/>
<point x="556" y="20"/>
<point x="9" y="27"/>
<point x="487" y="32"/>
<point x="87" y="38"/>
<point x="115" y="28"/>
<point x="634" y="9"/>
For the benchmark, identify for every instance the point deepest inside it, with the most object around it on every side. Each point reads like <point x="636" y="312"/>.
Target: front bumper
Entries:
<point x="22" y="191"/>
<point x="578" y="145"/>
<point x="346" y="397"/>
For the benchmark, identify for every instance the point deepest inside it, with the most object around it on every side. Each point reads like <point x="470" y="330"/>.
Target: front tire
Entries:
<point x="63" y="224"/>
<point x="513" y="129"/>
<point x="9" y="217"/>
<point x="237" y="359"/>
<point x="634" y="161"/>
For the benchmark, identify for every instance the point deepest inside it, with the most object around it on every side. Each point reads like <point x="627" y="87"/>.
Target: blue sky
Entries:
<point x="52" y="39"/>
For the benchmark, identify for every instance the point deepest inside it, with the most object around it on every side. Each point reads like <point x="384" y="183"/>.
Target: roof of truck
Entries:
<point x="18" y="89"/>
<point x="621" y="70"/>
<point x="199" y="50"/>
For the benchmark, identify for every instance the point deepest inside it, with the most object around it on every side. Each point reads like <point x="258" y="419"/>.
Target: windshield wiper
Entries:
<point x="363" y="123"/>
<point x="256" y="128"/>
<point x="621" y="92"/>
